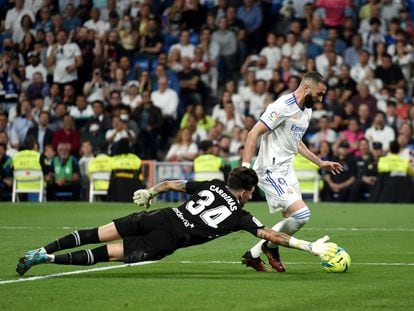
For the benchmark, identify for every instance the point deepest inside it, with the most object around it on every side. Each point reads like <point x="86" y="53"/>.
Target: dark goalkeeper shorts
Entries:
<point x="147" y="236"/>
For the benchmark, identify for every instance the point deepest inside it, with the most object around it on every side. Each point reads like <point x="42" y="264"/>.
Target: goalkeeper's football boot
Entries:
<point x="274" y="257"/>
<point x="255" y="263"/>
<point x="32" y="258"/>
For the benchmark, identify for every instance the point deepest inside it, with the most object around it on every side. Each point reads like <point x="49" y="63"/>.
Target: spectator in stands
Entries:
<point x="70" y="20"/>
<point x="366" y="173"/>
<point x="322" y="61"/>
<point x="231" y="118"/>
<point x="226" y="39"/>
<point x="132" y="98"/>
<point x="352" y="53"/>
<point x="271" y="51"/>
<point x="183" y="148"/>
<point x="194" y="16"/>
<point x="6" y="174"/>
<point x="198" y="134"/>
<point x="41" y="132"/>
<point x="184" y="46"/>
<point x="337" y="187"/>
<point x="119" y="130"/>
<point x="368" y="11"/>
<point x="167" y="100"/>
<point x="12" y="24"/>
<point x="149" y="120"/>
<point x="65" y="57"/>
<point x="323" y="134"/>
<point x="373" y="36"/>
<point x="81" y="112"/>
<point x="380" y="132"/>
<point x="100" y="117"/>
<point x="35" y="66"/>
<point x="359" y="70"/>
<point x="85" y="155"/>
<point x="390" y="73"/>
<point x="172" y="21"/>
<point x="66" y="184"/>
<point x="364" y="118"/>
<point x="67" y="134"/>
<point x="38" y="87"/>
<point x="112" y="49"/>
<point x="95" y="23"/>
<point x="96" y="88"/>
<point x="94" y="135"/>
<point x="257" y="101"/>
<point x="22" y="123"/>
<point x="251" y="16"/>
<point x="295" y="50"/>
<point x="258" y="64"/>
<point x="402" y="106"/>
<point x="192" y="89"/>
<point x="211" y="51"/>
<point x="151" y="42"/>
<point x="352" y="135"/>
<point x="127" y="35"/>
<point x="364" y="97"/>
<point x="43" y="20"/>
<point x="334" y="11"/>
<point x="174" y="60"/>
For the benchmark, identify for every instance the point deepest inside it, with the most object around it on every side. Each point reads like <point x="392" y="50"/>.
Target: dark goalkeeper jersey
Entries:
<point x="211" y="212"/>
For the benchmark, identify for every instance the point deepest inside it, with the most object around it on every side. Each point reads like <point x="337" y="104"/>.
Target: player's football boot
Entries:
<point x="255" y="263"/>
<point x="32" y="258"/>
<point x="274" y="257"/>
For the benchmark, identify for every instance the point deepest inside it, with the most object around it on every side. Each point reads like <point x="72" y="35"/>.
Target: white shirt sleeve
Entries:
<point x="274" y="115"/>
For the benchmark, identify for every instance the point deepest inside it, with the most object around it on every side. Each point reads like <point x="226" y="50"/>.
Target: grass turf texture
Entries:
<point x="376" y="236"/>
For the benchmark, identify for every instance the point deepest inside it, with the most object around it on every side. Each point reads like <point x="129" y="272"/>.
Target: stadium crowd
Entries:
<point x="78" y="76"/>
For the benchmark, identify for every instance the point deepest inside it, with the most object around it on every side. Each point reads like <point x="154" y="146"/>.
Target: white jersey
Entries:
<point x="287" y="123"/>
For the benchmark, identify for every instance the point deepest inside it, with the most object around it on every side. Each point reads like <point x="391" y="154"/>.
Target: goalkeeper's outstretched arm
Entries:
<point x="320" y="247"/>
<point x="143" y="197"/>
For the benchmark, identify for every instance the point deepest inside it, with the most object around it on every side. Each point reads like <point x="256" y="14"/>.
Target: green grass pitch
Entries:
<point x="379" y="238"/>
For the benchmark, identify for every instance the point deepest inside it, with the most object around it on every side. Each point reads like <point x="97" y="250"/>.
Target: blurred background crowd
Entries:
<point x="79" y="76"/>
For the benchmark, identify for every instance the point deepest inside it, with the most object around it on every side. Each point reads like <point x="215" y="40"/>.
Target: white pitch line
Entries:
<point x="54" y="275"/>
<point x="303" y="229"/>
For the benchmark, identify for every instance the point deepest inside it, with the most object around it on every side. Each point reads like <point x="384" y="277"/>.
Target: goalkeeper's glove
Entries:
<point x="324" y="250"/>
<point x="143" y="197"/>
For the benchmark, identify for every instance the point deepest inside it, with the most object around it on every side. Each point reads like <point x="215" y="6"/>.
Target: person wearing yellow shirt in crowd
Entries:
<point x="101" y="163"/>
<point x="206" y="163"/>
<point x="125" y="176"/>
<point x="66" y="184"/>
<point x="28" y="158"/>
<point x="394" y="181"/>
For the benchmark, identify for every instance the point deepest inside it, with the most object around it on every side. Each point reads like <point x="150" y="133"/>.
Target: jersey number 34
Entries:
<point x="212" y="216"/>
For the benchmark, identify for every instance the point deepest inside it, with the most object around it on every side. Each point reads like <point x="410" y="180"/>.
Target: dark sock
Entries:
<point x="76" y="238"/>
<point x="84" y="257"/>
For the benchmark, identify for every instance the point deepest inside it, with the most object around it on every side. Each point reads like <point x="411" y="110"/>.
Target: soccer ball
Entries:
<point x="339" y="263"/>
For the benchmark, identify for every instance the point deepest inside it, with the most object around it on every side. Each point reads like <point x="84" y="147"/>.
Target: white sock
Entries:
<point x="288" y="225"/>
<point x="51" y="258"/>
<point x="292" y="224"/>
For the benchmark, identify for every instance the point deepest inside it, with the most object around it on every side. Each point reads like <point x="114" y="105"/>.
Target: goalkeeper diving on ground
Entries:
<point x="214" y="209"/>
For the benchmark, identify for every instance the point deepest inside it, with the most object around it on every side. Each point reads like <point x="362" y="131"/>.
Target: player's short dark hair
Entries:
<point x="315" y="77"/>
<point x="242" y="178"/>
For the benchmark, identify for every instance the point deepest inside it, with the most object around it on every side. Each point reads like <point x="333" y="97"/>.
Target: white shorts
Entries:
<point x="281" y="190"/>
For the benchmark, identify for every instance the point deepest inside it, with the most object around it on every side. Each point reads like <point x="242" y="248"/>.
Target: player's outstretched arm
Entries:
<point x="143" y="197"/>
<point x="250" y="146"/>
<point x="331" y="166"/>
<point x="321" y="247"/>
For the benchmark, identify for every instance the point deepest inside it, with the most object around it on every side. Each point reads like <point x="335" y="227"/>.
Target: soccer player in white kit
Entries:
<point x="281" y="128"/>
